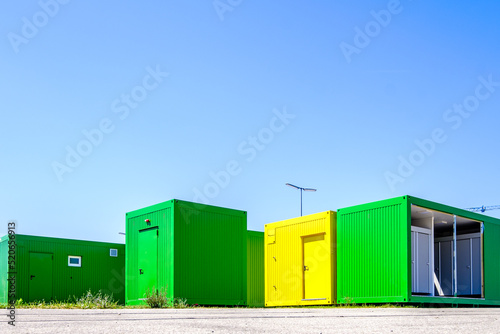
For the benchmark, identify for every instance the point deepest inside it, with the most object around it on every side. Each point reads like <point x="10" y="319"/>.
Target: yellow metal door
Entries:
<point x="316" y="267"/>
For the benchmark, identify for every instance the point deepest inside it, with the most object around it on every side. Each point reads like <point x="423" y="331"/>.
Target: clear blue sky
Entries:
<point x="356" y="84"/>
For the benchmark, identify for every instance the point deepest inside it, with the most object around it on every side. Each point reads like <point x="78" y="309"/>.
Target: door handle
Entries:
<point x="306" y="268"/>
<point x="468" y="267"/>
<point x="141" y="272"/>
<point x="31" y="277"/>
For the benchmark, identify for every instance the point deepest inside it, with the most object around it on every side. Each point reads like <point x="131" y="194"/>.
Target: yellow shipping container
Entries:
<point x="301" y="260"/>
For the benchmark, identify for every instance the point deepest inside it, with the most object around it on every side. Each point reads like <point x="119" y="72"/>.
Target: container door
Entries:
<point x="316" y="266"/>
<point x="436" y="267"/>
<point x="40" y="280"/>
<point x="476" y="266"/>
<point x="413" y="264"/>
<point x="424" y="262"/>
<point x="422" y="274"/>
<point x="148" y="261"/>
<point x="446" y="265"/>
<point x="464" y="273"/>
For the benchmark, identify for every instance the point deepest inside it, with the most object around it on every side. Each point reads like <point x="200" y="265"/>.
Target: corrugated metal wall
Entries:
<point x="98" y="271"/>
<point x="373" y="252"/>
<point x="284" y="258"/>
<point x="491" y="261"/>
<point x="4" y="269"/>
<point x="255" y="269"/>
<point x="210" y="254"/>
<point x="161" y="217"/>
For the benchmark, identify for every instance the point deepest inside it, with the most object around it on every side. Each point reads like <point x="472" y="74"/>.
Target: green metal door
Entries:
<point x="148" y="260"/>
<point x="40" y="280"/>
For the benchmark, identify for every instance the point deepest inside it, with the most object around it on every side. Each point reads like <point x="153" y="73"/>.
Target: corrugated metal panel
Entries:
<point x="4" y="269"/>
<point x="284" y="259"/>
<point x="160" y="216"/>
<point x="492" y="259"/>
<point x="201" y="252"/>
<point x="255" y="269"/>
<point x="210" y="254"/>
<point x="373" y="252"/>
<point x="98" y="271"/>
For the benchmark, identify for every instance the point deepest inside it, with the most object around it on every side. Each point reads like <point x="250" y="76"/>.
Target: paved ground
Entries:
<point x="295" y="320"/>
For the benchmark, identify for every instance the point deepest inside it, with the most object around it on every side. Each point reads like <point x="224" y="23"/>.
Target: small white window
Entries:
<point x="74" y="261"/>
<point x="113" y="252"/>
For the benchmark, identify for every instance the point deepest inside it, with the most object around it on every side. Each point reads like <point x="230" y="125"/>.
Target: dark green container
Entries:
<point x="255" y="269"/>
<point x="192" y="251"/>
<point x="409" y="250"/>
<point x="57" y="269"/>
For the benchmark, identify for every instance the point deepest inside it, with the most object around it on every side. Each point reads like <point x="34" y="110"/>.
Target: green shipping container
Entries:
<point x="193" y="251"/>
<point x="57" y="269"/>
<point x="255" y="269"/>
<point x="409" y="250"/>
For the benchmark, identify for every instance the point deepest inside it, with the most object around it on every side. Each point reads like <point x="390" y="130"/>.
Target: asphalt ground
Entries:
<point x="243" y="320"/>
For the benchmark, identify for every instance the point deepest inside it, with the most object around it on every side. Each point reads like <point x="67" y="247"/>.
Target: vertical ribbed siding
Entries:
<point x="210" y="254"/>
<point x="270" y="270"/>
<point x="255" y="269"/>
<point x="99" y="271"/>
<point x="289" y="258"/>
<point x="163" y="219"/>
<point x="492" y="260"/>
<point x="166" y="250"/>
<point x="284" y="258"/>
<point x="372" y="253"/>
<point x="4" y="269"/>
<point x="22" y="269"/>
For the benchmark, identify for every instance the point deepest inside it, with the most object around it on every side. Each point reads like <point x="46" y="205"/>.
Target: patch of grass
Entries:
<point x="96" y="300"/>
<point x="89" y="300"/>
<point x="348" y="301"/>
<point x="155" y="298"/>
<point x="54" y="304"/>
<point x="180" y="303"/>
<point x="100" y="300"/>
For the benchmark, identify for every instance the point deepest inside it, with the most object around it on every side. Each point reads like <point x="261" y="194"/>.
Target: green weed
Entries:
<point x="96" y="300"/>
<point x="155" y="298"/>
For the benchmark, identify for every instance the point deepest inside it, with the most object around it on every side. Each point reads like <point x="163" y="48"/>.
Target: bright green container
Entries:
<point x="57" y="269"/>
<point x="192" y="251"/>
<point x="255" y="269"/>
<point x="401" y="250"/>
